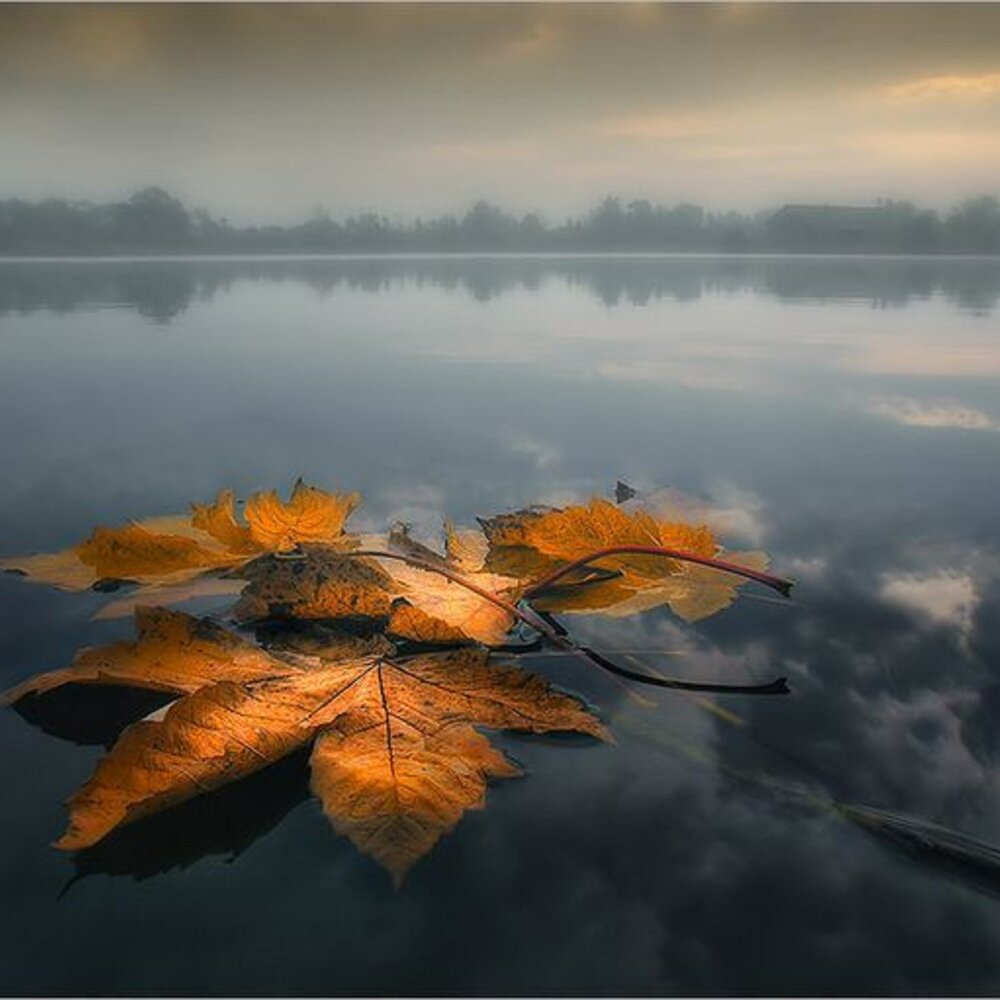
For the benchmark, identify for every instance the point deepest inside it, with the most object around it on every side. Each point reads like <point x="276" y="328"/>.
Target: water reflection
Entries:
<point x="677" y="861"/>
<point x="159" y="290"/>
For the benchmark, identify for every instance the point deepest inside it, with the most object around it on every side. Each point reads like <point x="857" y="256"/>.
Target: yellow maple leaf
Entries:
<point x="448" y="611"/>
<point x="539" y="542"/>
<point x="170" y="550"/>
<point x="218" y="519"/>
<point x="311" y="515"/>
<point x="530" y="543"/>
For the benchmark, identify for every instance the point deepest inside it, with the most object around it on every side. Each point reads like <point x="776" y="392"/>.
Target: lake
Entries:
<point x="843" y="412"/>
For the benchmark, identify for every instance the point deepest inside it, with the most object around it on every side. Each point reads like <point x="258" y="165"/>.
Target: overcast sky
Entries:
<point x="270" y="111"/>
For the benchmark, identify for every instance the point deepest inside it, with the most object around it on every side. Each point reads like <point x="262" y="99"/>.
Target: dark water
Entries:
<point x="845" y="411"/>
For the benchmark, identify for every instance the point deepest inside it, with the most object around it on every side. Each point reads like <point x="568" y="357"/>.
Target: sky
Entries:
<point x="275" y="111"/>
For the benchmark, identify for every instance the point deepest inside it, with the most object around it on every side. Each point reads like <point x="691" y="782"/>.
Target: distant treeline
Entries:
<point x="153" y="221"/>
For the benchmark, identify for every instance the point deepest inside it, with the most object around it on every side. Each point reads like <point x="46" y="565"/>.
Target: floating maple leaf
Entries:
<point x="395" y="761"/>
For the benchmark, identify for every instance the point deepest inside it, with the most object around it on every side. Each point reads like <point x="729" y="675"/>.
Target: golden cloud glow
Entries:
<point x="933" y="88"/>
<point x="657" y="126"/>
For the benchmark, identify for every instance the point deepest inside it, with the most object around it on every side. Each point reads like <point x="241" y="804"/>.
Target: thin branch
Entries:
<point x="780" y="584"/>
<point x="556" y="634"/>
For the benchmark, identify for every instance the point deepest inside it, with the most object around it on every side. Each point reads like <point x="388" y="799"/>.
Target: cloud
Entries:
<point x="913" y="413"/>
<point x="946" y="598"/>
<point x="536" y="40"/>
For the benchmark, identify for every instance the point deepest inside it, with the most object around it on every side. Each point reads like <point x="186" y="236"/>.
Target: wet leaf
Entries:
<point x="397" y="760"/>
<point x="413" y="624"/>
<point x="131" y="553"/>
<point x="323" y="642"/>
<point x="319" y="582"/>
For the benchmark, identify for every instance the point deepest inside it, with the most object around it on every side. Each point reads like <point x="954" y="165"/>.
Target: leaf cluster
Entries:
<point x="388" y="660"/>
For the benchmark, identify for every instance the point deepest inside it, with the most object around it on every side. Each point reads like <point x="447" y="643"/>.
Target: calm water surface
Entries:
<point x="845" y="412"/>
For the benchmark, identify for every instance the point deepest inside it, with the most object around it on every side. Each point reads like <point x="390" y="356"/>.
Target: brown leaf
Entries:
<point x="394" y="790"/>
<point x="319" y="583"/>
<point x="588" y="598"/>
<point x="60" y="569"/>
<point x="530" y="543"/>
<point x="695" y="593"/>
<point x="576" y="531"/>
<point x="316" y="641"/>
<point x="160" y="550"/>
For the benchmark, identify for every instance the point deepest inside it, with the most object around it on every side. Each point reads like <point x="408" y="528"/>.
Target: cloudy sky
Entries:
<point x="271" y="111"/>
